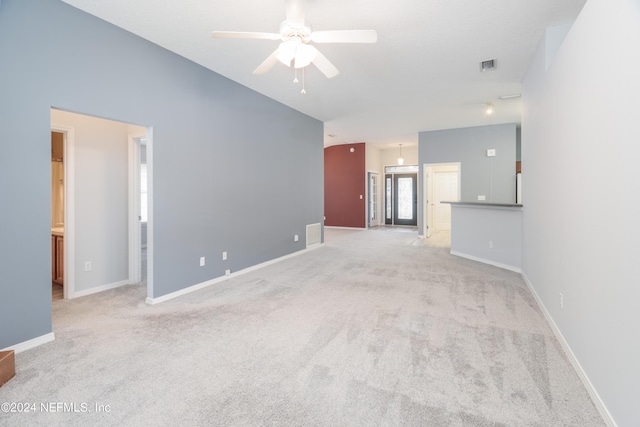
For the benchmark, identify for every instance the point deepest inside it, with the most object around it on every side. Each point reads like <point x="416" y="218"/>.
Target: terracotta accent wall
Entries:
<point x="344" y="183"/>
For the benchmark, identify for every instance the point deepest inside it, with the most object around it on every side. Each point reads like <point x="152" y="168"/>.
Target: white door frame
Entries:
<point x="149" y="154"/>
<point x="69" y="247"/>
<point x="428" y="169"/>
<point x="134" y="230"/>
<point x="135" y="244"/>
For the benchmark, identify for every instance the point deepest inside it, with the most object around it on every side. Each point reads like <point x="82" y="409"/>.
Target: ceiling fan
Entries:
<point x="295" y="36"/>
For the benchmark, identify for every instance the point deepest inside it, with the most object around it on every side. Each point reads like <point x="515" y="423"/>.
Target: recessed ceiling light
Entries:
<point x="489" y="109"/>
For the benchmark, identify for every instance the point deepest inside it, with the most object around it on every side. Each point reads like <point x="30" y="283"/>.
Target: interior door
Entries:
<point x="388" y="199"/>
<point x="405" y="195"/>
<point x="373" y="200"/>
<point x="429" y="202"/>
<point x="446" y="190"/>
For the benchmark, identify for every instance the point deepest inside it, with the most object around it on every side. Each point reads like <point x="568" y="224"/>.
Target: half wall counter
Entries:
<point x="487" y="232"/>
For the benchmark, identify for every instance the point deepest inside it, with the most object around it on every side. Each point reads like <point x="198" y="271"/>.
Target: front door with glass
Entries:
<point x="401" y="199"/>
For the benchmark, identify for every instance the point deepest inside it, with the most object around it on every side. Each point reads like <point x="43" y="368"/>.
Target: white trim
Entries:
<point x="602" y="408"/>
<point x="198" y="286"/>
<point x="69" y="251"/>
<point x="97" y="289"/>
<point x="135" y="244"/>
<point x="486" y="261"/>
<point x="32" y="343"/>
<point x="345" y="228"/>
<point x="150" y="250"/>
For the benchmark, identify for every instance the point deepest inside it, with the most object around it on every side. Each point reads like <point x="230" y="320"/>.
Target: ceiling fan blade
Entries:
<point x="324" y="65"/>
<point x="345" y="36"/>
<point x="244" y="35"/>
<point x="295" y="12"/>
<point x="267" y="64"/>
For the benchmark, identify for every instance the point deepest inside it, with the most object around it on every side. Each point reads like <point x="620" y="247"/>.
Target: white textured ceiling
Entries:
<point x="423" y="74"/>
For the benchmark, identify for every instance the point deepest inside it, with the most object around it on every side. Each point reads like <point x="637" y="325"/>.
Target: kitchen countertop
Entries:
<point x="486" y="204"/>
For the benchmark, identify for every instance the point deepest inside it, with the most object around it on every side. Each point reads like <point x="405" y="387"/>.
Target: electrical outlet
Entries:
<point x="561" y="300"/>
<point x="491" y="152"/>
<point x="224" y="255"/>
<point x="87" y="266"/>
<point x="481" y="197"/>
<point x="202" y="261"/>
<point x="295" y="238"/>
<point x="490" y="244"/>
<point x="227" y="272"/>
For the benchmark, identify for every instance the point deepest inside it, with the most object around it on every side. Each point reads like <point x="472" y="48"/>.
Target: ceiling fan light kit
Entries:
<point x="295" y="37"/>
<point x="296" y="52"/>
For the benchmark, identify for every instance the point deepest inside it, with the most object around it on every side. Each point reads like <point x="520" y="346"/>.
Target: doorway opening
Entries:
<point x="138" y="207"/>
<point x="401" y="195"/>
<point x="62" y="212"/>
<point x="441" y="184"/>
<point x="57" y="214"/>
<point x="92" y="252"/>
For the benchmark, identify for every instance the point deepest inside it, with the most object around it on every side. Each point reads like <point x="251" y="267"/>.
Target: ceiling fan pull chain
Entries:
<point x="295" y="76"/>
<point x="303" y="91"/>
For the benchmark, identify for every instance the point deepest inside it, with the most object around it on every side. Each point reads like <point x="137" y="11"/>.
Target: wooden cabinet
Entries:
<point x="57" y="259"/>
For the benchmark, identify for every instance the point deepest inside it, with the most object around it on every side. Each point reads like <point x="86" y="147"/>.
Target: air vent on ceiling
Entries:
<point x="488" y="65"/>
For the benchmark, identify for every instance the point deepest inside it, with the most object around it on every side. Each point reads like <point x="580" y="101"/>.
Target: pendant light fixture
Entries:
<point x="400" y="159"/>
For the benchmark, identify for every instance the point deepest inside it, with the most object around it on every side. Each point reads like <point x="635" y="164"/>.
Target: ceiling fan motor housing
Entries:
<point x="287" y="32"/>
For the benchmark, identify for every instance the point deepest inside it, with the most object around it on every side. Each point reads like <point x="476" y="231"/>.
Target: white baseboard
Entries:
<point x="602" y="409"/>
<point x="97" y="289"/>
<point x="337" y="227"/>
<point x="198" y="286"/>
<point x="32" y="343"/>
<point x="487" y="261"/>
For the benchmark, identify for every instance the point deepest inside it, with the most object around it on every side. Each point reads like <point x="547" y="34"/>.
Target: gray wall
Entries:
<point x="233" y="170"/>
<point x="502" y="226"/>
<point x="580" y="153"/>
<point x="480" y="175"/>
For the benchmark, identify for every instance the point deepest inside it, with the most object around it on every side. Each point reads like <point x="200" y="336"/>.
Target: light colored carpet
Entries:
<point x="375" y="328"/>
